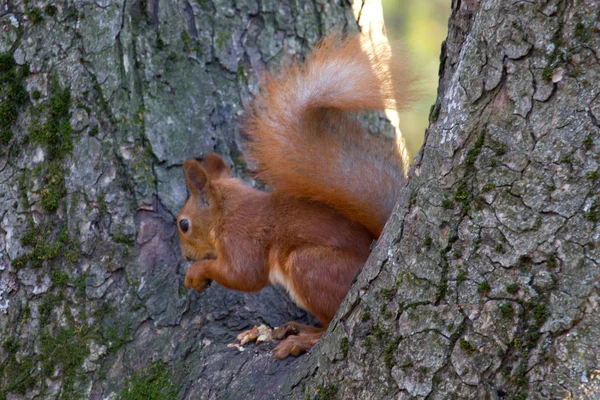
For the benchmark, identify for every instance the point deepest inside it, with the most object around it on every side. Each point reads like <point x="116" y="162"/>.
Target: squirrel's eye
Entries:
<point x="184" y="225"/>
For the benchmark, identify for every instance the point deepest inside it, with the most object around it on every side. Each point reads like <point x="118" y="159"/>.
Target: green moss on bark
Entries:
<point x="153" y="383"/>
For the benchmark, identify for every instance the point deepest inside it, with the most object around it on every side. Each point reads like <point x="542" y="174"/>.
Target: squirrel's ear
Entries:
<point x="215" y="166"/>
<point x="195" y="176"/>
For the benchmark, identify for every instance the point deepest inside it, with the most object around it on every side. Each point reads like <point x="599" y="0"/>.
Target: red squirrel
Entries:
<point x="333" y="186"/>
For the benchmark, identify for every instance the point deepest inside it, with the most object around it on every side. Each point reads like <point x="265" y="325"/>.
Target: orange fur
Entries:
<point x="304" y="337"/>
<point x="333" y="186"/>
<point x="252" y="233"/>
<point x="308" y="145"/>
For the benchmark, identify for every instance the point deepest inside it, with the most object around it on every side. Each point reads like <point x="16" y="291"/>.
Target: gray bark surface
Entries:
<point x="112" y="97"/>
<point x="486" y="281"/>
<point x="484" y="284"/>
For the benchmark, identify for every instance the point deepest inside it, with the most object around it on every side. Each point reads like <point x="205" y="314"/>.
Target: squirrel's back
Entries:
<point x="307" y="143"/>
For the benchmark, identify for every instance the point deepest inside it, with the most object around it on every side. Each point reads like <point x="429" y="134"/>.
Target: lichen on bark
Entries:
<point x="101" y="102"/>
<point x="484" y="283"/>
<point x="496" y="229"/>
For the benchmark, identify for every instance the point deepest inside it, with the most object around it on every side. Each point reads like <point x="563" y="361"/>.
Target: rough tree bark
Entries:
<point x="101" y="103"/>
<point x="484" y="285"/>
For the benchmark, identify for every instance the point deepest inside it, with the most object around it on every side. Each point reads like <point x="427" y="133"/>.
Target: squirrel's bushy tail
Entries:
<point x="306" y="142"/>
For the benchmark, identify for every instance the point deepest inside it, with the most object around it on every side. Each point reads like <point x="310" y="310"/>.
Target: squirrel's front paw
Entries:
<point x="195" y="283"/>
<point x="194" y="280"/>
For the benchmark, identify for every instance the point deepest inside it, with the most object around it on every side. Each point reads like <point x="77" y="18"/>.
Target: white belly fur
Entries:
<point x="277" y="277"/>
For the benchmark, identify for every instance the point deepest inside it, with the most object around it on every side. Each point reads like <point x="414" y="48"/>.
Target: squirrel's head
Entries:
<point x="197" y="218"/>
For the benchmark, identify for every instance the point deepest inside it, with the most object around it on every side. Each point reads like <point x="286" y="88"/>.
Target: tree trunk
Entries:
<point x="101" y="103"/>
<point x="484" y="283"/>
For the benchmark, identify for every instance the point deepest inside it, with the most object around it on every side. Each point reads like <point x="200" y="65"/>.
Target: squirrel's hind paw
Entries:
<point x="296" y="345"/>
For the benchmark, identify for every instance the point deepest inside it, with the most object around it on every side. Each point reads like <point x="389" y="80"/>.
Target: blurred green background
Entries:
<point x="421" y="26"/>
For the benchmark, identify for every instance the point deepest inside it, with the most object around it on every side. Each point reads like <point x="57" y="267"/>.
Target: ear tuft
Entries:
<point x="215" y="166"/>
<point x="195" y="176"/>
